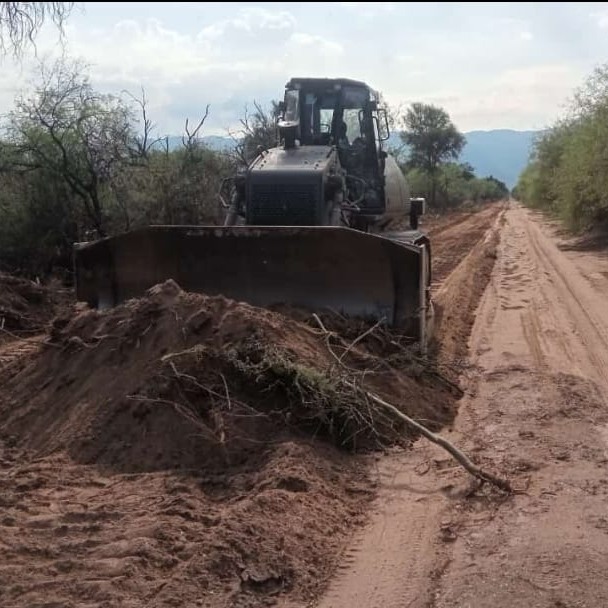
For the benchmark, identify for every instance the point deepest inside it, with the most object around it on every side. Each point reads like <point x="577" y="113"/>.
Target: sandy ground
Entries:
<point x="536" y="410"/>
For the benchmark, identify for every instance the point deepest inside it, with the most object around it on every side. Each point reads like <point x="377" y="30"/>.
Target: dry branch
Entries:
<point x="359" y="338"/>
<point x="457" y="454"/>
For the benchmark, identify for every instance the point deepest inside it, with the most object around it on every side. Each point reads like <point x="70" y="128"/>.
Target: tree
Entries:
<point x="20" y="22"/>
<point x="467" y="170"/>
<point x="75" y="161"/>
<point x="500" y="186"/>
<point x="432" y="139"/>
<point x="75" y="133"/>
<point x="258" y="130"/>
<point x="455" y="183"/>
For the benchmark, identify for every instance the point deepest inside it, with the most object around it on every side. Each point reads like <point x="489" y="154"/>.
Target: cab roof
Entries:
<point x="325" y="82"/>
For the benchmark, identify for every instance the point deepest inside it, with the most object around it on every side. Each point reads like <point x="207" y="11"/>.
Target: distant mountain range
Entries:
<point x="502" y="153"/>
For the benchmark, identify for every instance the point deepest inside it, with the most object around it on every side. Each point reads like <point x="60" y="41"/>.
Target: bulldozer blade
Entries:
<point x="316" y="268"/>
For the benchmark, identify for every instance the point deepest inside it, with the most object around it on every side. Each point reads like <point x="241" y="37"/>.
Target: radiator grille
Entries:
<point x="283" y="204"/>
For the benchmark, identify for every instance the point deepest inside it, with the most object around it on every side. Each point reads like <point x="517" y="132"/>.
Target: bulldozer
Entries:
<point x="318" y="222"/>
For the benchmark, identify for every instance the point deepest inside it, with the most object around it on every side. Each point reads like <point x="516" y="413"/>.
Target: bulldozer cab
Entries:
<point x="338" y="112"/>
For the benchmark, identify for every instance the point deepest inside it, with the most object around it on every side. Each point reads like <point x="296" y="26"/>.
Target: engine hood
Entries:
<point x="302" y="158"/>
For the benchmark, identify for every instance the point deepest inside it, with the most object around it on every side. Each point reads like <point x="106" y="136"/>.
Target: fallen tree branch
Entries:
<point x="183" y="411"/>
<point x="459" y="456"/>
<point x="327" y="334"/>
<point x="252" y="411"/>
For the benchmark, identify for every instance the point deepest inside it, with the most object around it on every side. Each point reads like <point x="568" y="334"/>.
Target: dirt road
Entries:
<point x="536" y="409"/>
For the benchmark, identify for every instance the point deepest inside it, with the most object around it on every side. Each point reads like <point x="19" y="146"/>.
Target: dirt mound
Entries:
<point x="237" y="411"/>
<point x="174" y="379"/>
<point x="27" y="307"/>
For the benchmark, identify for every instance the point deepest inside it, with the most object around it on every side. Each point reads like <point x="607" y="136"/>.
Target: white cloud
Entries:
<point x="249" y="20"/>
<point x="520" y="98"/>
<point x="253" y="26"/>
<point x="226" y="64"/>
<point x="370" y="9"/>
<point x="309" y="42"/>
<point x="601" y="18"/>
<point x="542" y="76"/>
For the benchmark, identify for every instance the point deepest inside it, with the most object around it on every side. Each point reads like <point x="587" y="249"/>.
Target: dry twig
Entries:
<point x="449" y="447"/>
<point x="458" y="455"/>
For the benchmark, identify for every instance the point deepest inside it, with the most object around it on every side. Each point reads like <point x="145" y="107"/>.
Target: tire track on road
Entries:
<point x="581" y="301"/>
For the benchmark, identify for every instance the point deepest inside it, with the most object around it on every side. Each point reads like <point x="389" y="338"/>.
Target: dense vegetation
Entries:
<point x="456" y="183"/>
<point x="568" y="170"/>
<point x="76" y="163"/>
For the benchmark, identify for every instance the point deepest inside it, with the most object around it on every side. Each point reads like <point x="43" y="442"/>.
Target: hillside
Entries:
<point x="502" y="153"/>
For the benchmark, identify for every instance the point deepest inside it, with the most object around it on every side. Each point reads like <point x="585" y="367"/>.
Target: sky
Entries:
<point x="495" y="65"/>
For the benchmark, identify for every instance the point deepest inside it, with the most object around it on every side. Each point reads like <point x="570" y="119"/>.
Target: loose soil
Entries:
<point x="186" y="450"/>
<point x="453" y="235"/>
<point x="27" y="307"/>
<point x="456" y="299"/>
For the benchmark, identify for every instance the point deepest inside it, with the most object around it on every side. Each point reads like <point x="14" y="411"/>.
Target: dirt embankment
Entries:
<point x="464" y="252"/>
<point x="455" y="234"/>
<point x="186" y="450"/>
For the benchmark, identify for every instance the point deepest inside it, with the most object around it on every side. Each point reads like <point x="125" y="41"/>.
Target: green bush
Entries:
<point x="456" y="185"/>
<point x="568" y="170"/>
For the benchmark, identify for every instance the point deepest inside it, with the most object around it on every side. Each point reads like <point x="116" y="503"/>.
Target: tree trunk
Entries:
<point x="97" y="214"/>
<point x="433" y="188"/>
